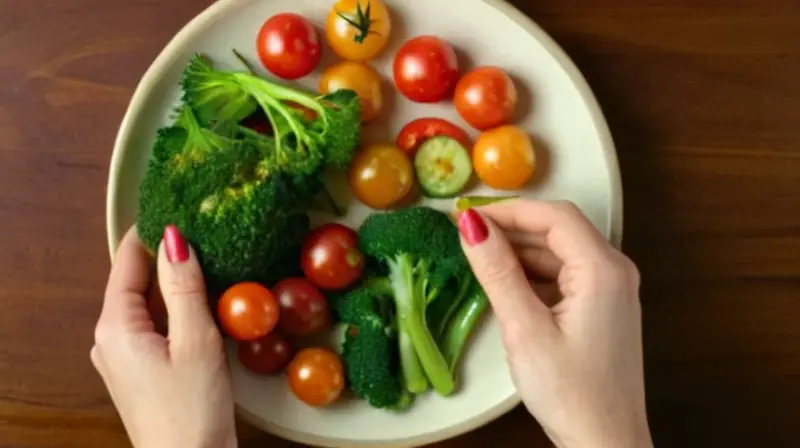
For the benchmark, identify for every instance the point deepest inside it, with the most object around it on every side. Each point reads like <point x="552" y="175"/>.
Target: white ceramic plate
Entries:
<point x="576" y="161"/>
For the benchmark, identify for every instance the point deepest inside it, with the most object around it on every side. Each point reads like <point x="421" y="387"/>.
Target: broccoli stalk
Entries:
<point x="463" y="324"/>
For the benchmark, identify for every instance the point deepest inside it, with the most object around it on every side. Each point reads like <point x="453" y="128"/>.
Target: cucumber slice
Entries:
<point x="443" y="167"/>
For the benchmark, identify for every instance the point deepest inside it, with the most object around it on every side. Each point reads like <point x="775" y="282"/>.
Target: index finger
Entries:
<point x="567" y="231"/>
<point x="128" y="281"/>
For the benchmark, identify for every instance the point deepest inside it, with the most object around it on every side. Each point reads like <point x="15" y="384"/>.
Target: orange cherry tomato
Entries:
<point x="359" y="77"/>
<point x="486" y="97"/>
<point x="248" y="311"/>
<point x="358" y="30"/>
<point x="504" y="158"/>
<point x="381" y="176"/>
<point x="316" y="376"/>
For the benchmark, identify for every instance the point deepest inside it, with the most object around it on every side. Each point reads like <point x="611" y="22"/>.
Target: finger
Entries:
<point x="569" y="234"/>
<point x="183" y="288"/>
<point x="496" y="267"/>
<point x="540" y="263"/>
<point x="124" y="308"/>
<point x="520" y="239"/>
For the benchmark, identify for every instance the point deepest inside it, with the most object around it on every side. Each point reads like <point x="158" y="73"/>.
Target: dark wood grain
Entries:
<point x="703" y="98"/>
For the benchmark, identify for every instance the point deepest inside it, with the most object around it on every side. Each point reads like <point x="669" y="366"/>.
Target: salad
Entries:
<point x="243" y="163"/>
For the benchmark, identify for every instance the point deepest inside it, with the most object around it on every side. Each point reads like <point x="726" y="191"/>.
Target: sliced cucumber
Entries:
<point x="443" y="167"/>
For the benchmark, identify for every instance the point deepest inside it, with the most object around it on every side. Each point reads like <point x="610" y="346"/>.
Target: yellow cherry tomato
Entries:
<point x="359" y="77"/>
<point x="358" y="29"/>
<point x="504" y="158"/>
<point x="381" y="176"/>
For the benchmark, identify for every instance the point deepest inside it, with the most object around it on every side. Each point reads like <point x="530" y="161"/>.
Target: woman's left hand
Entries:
<point x="169" y="391"/>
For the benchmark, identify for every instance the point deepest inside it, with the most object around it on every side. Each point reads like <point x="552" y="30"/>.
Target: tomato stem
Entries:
<point x="362" y="22"/>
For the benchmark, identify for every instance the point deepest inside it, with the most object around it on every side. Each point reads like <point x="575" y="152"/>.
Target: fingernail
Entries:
<point x="175" y="245"/>
<point x="472" y="227"/>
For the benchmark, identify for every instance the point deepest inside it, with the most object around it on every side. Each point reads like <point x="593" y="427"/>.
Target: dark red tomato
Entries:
<point x="330" y="258"/>
<point x="248" y="311"/>
<point x="486" y="98"/>
<point x="416" y="132"/>
<point x="288" y="46"/>
<point x="426" y="69"/>
<point x="304" y="310"/>
<point x="266" y="356"/>
<point x="258" y="122"/>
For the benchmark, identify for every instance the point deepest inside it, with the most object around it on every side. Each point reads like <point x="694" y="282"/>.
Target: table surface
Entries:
<point x="703" y="99"/>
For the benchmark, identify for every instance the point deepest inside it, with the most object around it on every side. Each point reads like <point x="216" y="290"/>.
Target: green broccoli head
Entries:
<point x="369" y="350"/>
<point x="331" y="138"/>
<point x="421" y="248"/>
<point x="223" y="194"/>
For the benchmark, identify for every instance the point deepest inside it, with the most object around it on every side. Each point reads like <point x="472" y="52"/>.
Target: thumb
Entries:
<point x="182" y="285"/>
<point x="498" y="270"/>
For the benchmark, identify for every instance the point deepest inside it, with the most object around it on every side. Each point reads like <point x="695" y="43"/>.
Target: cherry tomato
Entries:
<point x="316" y="376"/>
<point x="416" y="132"/>
<point x="358" y="29"/>
<point x="267" y="355"/>
<point x="288" y="46"/>
<point x="381" y="176"/>
<point x="425" y="69"/>
<point x="359" y="77"/>
<point x="304" y="310"/>
<point x="486" y="97"/>
<point x="504" y="158"/>
<point x="248" y="311"/>
<point x="330" y="258"/>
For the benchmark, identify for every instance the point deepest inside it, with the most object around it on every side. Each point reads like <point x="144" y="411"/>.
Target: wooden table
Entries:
<point x="703" y="98"/>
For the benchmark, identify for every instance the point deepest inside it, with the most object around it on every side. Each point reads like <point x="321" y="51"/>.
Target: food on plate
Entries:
<point x="443" y="167"/>
<point x="429" y="277"/>
<point x="237" y="195"/>
<point x="425" y="69"/>
<point x="486" y="97"/>
<point x="330" y="257"/>
<point x="358" y="30"/>
<point x="288" y="46"/>
<point x="370" y="347"/>
<point x="316" y="376"/>
<point x="248" y="311"/>
<point x="360" y="78"/>
<point x="304" y="310"/>
<point x="417" y="132"/>
<point x="466" y="202"/>
<point x="504" y="158"/>
<point x="381" y="175"/>
<point x="267" y="355"/>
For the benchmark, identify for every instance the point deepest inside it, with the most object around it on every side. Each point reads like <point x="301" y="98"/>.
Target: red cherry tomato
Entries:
<point x="416" y="132"/>
<point x="267" y="355"/>
<point x="330" y="258"/>
<point x="425" y="69"/>
<point x="316" y="376"/>
<point x="288" y="46"/>
<point x="248" y="311"/>
<point x="486" y="97"/>
<point x="304" y="310"/>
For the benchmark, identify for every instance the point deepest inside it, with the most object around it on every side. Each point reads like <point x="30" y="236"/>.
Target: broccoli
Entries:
<point x="300" y="143"/>
<point x="462" y="324"/>
<point x="421" y="248"/>
<point x="368" y="350"/>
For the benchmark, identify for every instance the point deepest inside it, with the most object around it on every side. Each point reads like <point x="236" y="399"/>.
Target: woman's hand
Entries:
<point x="172" y="391"/>
<point x="572" y="335"/>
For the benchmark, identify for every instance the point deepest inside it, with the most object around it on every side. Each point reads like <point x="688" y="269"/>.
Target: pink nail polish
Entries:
<point x="472" y="227"/>
<point x="176" y="246"/>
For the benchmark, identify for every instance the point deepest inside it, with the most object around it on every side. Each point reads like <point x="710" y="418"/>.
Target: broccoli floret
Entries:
<point x="224" y="195"/>
<point x="368" y="351"/>
<point x="331" y="137"/>
<point x="421" y="248"/>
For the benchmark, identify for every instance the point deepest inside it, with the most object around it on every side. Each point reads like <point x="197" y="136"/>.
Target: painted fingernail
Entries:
<point x="472" y="227"/>
<point x="176" y="246"/>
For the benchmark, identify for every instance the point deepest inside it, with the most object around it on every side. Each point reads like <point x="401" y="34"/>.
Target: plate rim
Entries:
<point x="156" y="70"/>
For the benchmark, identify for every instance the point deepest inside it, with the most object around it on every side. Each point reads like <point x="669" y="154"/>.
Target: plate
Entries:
<point x="576" y="160"/>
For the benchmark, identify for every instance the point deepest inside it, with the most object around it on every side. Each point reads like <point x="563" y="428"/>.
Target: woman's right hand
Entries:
<point x="572" y="335"/>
